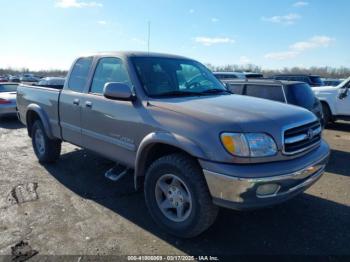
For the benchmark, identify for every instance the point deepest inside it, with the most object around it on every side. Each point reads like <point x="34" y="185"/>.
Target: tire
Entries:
<point x="199" y="215"/>
<point x="327" y="115"/>
<point x="47" y="150"/>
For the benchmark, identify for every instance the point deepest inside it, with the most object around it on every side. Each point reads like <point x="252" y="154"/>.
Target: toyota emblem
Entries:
<point x="310" y="133"/>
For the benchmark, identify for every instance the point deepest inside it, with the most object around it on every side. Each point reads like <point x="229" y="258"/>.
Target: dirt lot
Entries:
<point x="71" y="208"/>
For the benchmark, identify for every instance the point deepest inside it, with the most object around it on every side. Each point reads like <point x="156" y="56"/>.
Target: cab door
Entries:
<point x="108" y="126"/>
<point x="343" y="104"/>
<point x="70" y="103"/>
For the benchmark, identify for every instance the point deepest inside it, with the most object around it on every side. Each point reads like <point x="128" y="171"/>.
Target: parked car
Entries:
<point x="229" y="75"/>
<point x="295" y="93"/>
<point x="193" y="145"/>
<point x="14" y="79"/>
<point x="8" y="99"/>
<point x="331" y="82"/>
<point x="3" y="79"/>
<point x="312" y="80"/>
<point x="29" y="78"/>
<point x="335" y="101"/>
<point x="54" y="82"/>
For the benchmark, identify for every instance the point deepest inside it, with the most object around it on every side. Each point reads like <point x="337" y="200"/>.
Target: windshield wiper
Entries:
<point x="215" y="91"/>
<point x="178" y="93"/>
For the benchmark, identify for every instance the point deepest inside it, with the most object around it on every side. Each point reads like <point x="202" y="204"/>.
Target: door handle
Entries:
<point x="88" y="104"/>
<point x="76" y="101"/>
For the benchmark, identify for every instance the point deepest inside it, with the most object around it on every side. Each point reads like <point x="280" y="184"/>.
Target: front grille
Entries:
<point x="302" y="138"/>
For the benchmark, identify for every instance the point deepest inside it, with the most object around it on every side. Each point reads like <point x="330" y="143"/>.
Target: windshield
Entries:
<point x="175" y="77"/>
<point x="317" y="80"/>
<point x="8" y="88"/>
<point x="300" y="95"/>
<point x="344" y="83"/>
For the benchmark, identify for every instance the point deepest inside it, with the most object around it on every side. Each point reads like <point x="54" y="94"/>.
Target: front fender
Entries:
<point x="166" y="138"/>
<point x="43" y="117"/>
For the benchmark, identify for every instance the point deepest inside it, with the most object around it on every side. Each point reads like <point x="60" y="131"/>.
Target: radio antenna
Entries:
<point x="149" y="36"/>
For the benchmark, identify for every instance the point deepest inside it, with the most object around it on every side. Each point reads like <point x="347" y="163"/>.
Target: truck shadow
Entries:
<point x="338" y="163"/>
<point x="304" y="225"/>
<point x="339" y="126"/>
<point x="10" y="123"/>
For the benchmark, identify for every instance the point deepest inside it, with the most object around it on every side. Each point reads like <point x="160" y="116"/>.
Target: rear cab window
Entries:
<point x="79" y="75"/>
<point x="271" y="92"/>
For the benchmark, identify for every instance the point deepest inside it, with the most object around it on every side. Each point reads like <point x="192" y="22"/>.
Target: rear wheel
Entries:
<point x="177" y="196"/>
<point x="47" y="150"/>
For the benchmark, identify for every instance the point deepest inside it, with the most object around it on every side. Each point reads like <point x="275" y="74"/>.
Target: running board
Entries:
<point x="116" y="173"/>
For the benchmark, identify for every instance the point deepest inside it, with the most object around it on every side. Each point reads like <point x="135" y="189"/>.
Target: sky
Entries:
<point x="50" y="34"/>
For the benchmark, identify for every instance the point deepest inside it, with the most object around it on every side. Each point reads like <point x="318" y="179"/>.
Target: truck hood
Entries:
<point x="237" y="112"/>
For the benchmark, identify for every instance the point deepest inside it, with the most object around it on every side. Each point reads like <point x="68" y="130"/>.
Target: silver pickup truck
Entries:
<point x="193" y="146"/>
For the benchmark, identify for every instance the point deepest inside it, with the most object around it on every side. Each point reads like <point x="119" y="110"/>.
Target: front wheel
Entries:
<point x="177" y="196"/>
<point x="47" y="150"/>
<point x="327" y="115"/>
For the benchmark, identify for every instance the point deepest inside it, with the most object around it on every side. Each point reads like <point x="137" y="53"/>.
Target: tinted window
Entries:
<point x="300" y="95"/>
<point x="282" y="78"/>
<point x="236" y="88"/>
<point x="263" y="91"/>
<point x="79" y="74"/>
<point x="162" y="76"/>
<point x="108" y="70"/>
<point x="8" y="88"/>
<point x="254" y="76"/>
<point x="305" y="79"/>
<point x="316" y="80"/>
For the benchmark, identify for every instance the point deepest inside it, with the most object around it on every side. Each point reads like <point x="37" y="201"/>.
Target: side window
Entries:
<point x="108" y="70"/>
<point x="307" y="80"/>
<point x="236" y="88"/>
<point x="303" y="79"/>
<point x="79" y="74"/>
<point x="267" y="92"/>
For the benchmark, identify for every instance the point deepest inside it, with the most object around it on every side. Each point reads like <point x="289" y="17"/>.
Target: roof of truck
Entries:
<point x="135" y="54"/>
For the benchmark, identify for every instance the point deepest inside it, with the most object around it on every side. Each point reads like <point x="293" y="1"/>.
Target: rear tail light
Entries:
<point x="4" y="101"/>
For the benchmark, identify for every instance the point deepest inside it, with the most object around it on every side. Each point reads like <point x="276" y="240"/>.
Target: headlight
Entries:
<point x="249" y="144"/>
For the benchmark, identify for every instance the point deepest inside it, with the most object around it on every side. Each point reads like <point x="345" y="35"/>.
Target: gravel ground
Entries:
<point x="70" y="208"/>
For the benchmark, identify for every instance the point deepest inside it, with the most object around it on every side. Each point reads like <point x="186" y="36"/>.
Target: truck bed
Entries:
<point x="45" y="97"/>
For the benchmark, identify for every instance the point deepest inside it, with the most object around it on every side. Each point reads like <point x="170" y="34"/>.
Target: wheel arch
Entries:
<point x="35" y="112"/>
<point x="158" y="144"/>
<point x="330" y="105"/>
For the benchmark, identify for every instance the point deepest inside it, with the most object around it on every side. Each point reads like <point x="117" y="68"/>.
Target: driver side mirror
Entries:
<point x="118" y="91"/>
<point x="343" y="94"/>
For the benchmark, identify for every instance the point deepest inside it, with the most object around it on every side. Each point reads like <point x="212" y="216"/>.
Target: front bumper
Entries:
<point x="238" y="191"/>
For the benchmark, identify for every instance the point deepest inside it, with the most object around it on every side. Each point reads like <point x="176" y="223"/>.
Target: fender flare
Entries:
<point x="43" y="117"/>
<point x="166" y="138"/>
<point x="330" y="106"/>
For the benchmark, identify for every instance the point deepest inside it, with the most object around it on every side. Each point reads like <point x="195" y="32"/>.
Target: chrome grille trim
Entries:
<point x="300" y="138"/>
